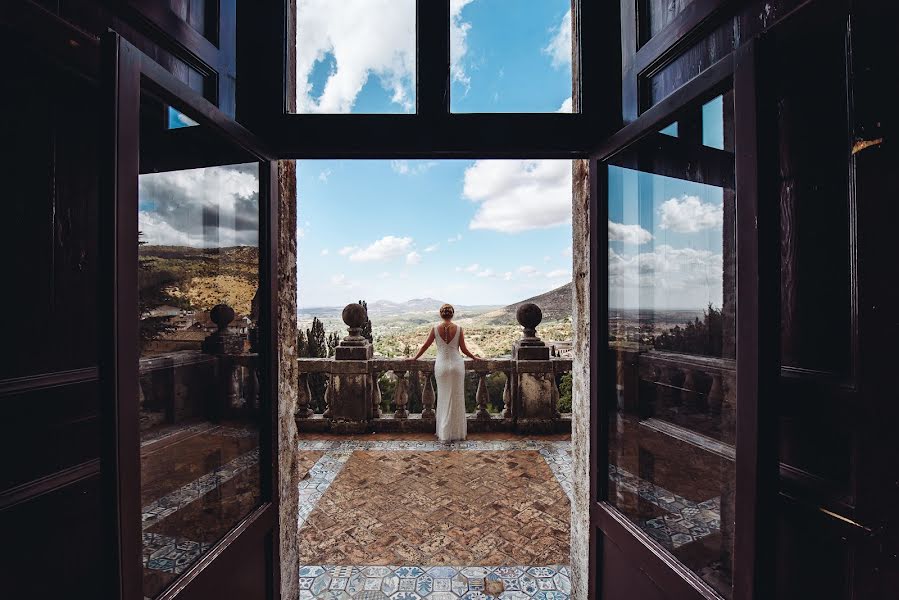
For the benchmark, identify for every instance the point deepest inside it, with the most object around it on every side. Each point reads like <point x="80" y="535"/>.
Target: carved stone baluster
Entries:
<point x="427" y="399"/>
<point x="690" y="394"/>
<point x="304" y="398"/>
<point x="507" y="396"/>
<point x="482" y="396"/>
<point x="400" y="396"/>
<point x="716" y="395"/>
<point x="555" y="395"/>
<point x="327" y="413"/>
<point x="375" y="395"/>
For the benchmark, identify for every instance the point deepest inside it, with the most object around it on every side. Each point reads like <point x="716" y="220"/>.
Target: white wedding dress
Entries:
<point x="449" y="370"/>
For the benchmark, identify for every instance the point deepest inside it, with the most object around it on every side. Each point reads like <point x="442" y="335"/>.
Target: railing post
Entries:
<point x="555" y="395"/>
<point x="304" y="398"/>
<point x="482" y="395"/>
<point x="427" y="399"/>
<point x="375" y="395"/>
<point x="400" y="396"/>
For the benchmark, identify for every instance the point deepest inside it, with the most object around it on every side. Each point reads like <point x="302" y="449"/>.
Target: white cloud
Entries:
<point x="415" y="167"/>
<point x="386" y="248"/>
<point x="325" y="252"/>
<point x="323" y="176"/>
<point x="558" y="273"/>
<point x="629" y="234"/>
<point x="347" y="250"/>
<point x="157" y="230"/>
<point x="469" y="269"/>
<point x="455" y="238"/>
<point x="485" y="273"/>
<point x="567" y="252"/>
<point x="507" y="276"/>
<point x="519" y="195"/>
<point x="528" y="270"/>
<point x="566" y="106"/>
<point x="432" y="248"/>
<point x="384" y="275"/>
<point x="340" y="280"/>
<point x="458" y="43"/>
<point x="559" y="48"/>
<point x="546" y="259"/>
<point x="364" y="38"/>
<point x="689" y="214"/>
<point x="413" y="258"/>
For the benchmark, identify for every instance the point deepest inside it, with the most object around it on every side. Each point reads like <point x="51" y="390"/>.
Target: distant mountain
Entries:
<point x="555" y="304"/>
<point x="388" y="308"/>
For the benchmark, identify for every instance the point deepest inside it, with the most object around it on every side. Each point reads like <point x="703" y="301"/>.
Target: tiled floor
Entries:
<point x="413" y="518"/>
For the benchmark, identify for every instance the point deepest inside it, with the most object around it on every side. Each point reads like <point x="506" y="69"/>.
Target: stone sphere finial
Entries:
<point x="354" y="315"/>
<point x="529" y="316"/>
<point x="221" y="315"/>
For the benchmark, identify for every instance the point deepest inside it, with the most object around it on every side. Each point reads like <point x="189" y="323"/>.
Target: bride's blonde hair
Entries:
<point x="447" y="311"/>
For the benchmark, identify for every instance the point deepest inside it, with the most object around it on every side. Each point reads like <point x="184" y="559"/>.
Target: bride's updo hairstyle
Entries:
<point x="447" y="311"/>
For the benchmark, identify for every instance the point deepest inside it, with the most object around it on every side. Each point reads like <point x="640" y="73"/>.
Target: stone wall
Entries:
<point x="580" y="371"/>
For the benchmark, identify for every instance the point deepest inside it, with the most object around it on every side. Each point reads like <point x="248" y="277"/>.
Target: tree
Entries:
<point x="150" y="294"/>
<point x="301" y="344"/>
<point x="317" y="347"/>
<point x="704" y="337"/>
<point x="333" y="341"/>
<point x="565" y="394"/>
<point x="366" y="329"/>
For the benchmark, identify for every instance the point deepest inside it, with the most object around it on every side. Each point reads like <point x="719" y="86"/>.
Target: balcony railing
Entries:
<point x="353" y="397"/>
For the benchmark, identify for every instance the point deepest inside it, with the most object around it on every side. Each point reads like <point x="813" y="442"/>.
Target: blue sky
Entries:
<point x="468" y="232"/>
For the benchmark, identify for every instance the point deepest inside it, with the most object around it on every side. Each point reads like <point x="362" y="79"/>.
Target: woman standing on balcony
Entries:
<point x="449" y="370"/>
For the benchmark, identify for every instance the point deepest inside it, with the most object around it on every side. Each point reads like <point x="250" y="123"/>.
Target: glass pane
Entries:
<point x="510" y="56"/>
<point x="672" y="336"/>
<point x="199" y="393"/>
<point x="177" y="119"/>
<point x="355" y="56"/>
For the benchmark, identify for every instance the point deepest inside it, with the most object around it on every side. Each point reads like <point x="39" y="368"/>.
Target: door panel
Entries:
<point x="195" y="430"/>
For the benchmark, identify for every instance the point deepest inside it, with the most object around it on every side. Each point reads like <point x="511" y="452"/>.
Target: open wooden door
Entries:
<point x="188" y="225"/>
<point x="683" y="323"/>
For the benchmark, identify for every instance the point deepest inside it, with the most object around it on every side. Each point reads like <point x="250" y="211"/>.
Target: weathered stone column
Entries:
<point x="536" y="381"/>
<point x="349" y="391"/>
<point x="224" y="343"/>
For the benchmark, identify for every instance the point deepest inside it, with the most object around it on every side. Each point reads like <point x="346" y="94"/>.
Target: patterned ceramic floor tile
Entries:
<point x="445" y="582"/>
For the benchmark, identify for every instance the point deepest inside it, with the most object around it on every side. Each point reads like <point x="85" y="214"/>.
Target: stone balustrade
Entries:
<point x="353" y="398"/>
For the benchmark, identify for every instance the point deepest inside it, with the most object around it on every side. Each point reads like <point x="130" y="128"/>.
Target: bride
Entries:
<point x="449" y="370"/>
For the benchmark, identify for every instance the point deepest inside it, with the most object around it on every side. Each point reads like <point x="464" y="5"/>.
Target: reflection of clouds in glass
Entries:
<point x="629" y="234"/>
<point x="209" y="207"/>
<point x="682" y="277"/>
<point x="689" y="214"/>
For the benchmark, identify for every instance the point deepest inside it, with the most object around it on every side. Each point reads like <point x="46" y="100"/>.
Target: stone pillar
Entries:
<point x="349" y="391"/>
<point x="507" y="396"/>
<point x="535" y="377"/>
<point x="375" y="395"/>
<point x="224" y="343"/>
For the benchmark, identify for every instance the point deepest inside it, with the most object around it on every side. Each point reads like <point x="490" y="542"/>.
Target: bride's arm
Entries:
<point x="426" y="345"/>
<point x="464" y="348"/>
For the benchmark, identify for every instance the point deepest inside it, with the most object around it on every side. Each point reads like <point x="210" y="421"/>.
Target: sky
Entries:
<point x="466" y="232"/>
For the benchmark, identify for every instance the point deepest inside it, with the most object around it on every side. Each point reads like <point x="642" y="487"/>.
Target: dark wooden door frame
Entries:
<point x="127" y="73"/>
<point x="757" y="350"/>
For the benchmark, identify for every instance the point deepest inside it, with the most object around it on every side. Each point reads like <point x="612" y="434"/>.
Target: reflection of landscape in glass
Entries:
<point x="198" y="389"/>
<point x="665" y="262"/>
<point x="672" y="335"/>
<point x="199" y="237"/>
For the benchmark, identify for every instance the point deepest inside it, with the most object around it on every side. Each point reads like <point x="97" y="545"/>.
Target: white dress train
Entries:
<point x="449" y="370"/>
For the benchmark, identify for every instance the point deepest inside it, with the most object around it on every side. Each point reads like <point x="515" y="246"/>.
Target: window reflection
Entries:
<point x="199" y="388"/>
<point x="672" y="335"/>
